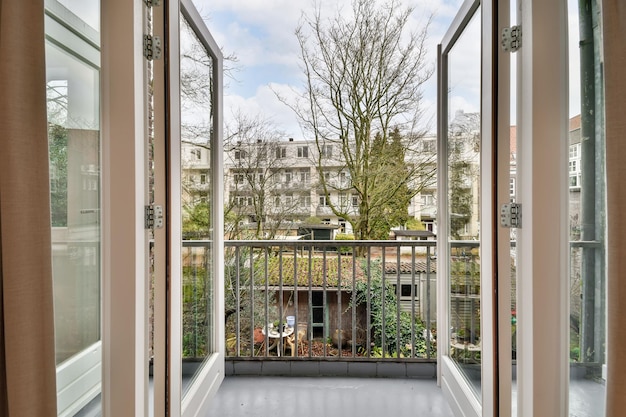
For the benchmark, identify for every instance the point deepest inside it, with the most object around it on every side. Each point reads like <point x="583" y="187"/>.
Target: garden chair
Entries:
<point x="301" y="335"/>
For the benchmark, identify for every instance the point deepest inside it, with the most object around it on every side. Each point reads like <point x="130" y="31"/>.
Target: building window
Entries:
<point x="239" y="178"/>
<point x="281" y="152"/>
<point x="305" y="201"/>
<point x="303" y="151"/>
<point x="574" y="151"/>
<point x="202" y="178"/>
<point x="326" y="151"/>
<point x="355" y="200"/>
<point x="427" y="200"/>
<point x="289" y="199"/>
<point x="277" y="201"/>
<point x="344" y="178"/>
<point x="323" y="200"/>
<point x="287" y="176"/>
<point x="240" y="154"/>
<point x="429" y="146"/>
<point x="243" y="201"/>
<point x="305" y="176"/>
<point x="197" y="153"/>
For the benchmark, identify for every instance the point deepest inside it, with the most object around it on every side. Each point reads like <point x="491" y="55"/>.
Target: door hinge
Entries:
<point x="151" y="47"/>
<point x="512" y="38"/>
<point x="152" y="3"/>
<point x="153" y="217"/>
<point x="511" y="215"/>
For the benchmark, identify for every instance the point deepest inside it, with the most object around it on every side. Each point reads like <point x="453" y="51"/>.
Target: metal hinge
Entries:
<point x="152" y="3"/>
<point x="153" y="217"/>
<point x="151" y="47"/>
<point x="512" y="39"/>
<point x="511" y="215"/>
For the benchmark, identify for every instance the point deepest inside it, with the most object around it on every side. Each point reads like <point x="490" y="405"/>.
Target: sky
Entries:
<point x="260" y="33"/>
<point x="262" y="36"/>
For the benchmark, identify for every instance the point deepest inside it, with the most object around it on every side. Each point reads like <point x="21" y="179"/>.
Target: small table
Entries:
<point x="274" y="336"/>
<point x="465" y="347"/>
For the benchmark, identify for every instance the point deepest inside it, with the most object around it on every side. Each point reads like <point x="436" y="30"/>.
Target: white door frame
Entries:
<point x="124" y="239"/>
<point x="542" y="162"/>
<point x="495" y="241"/>
<point x="209" y="377"/>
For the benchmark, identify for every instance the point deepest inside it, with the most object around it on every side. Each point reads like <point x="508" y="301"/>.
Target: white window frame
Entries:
<point x="303" y="151"/>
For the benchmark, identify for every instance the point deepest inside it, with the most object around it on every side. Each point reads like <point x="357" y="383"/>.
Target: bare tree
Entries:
<point x="463" y="174"/>
<point x="257" y="170"/>
<point x="364" y="77"/>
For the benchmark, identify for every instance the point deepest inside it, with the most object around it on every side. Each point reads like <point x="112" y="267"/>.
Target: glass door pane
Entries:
<point x="196" y="66"/>
<point x="463" y="165"/>
<point x="200" y="207"/>
<point x="587" y="212"/>
<point x="73" y="101"/>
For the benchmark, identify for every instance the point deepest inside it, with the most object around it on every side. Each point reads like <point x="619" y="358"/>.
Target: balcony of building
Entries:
<point x="348" y="320"/>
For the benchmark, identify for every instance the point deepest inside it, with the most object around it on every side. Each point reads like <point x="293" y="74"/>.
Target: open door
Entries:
<point x="189" y="310"/>
<point x="473" y="176"/>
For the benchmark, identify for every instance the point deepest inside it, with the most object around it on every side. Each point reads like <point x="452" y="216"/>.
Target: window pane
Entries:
<point x="587" y="212"/>
<point x="463" y="196"/>
<point x="73" y="107"/>
<point x="197" y="98"/>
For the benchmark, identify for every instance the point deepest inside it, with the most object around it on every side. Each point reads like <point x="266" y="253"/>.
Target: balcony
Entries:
<point x="316" y="307"/>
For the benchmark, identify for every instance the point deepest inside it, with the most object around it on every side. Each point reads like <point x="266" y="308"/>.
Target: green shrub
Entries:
<point x="385" y="297"/>
<point x="344" y="236"/>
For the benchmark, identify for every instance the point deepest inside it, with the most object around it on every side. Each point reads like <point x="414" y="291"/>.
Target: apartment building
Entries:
<point x="284" y="178"/>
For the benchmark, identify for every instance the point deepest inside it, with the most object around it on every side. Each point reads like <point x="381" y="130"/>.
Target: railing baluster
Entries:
<point x="339" y="309"/>
<point x="413" y="316"/>
<point x="324" y="283"/>
<point x="428" y="325"/>
<point x="383" y="301"/>
<point x="398" y="297"/>
<point x="295" y="300"/>
<point x="310" y="319"/>
<point x="237" y="313"/>
<point x="267" y="313"/>
<point x="368" y="302"/>
<point x="353" y="297"/>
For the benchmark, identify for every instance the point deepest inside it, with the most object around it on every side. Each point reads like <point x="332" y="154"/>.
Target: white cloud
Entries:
<point x="266" y="104"/>
<point x="261" y="35"/>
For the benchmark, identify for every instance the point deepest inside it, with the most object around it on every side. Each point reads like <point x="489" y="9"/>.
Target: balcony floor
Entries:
<point x="241" y="396"/>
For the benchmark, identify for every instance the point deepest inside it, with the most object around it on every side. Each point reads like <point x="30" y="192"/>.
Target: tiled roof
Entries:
<point x="407" y="267"/>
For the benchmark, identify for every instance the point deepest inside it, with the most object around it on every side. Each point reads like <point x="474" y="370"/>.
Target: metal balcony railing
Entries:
<point x="298" y="300"/>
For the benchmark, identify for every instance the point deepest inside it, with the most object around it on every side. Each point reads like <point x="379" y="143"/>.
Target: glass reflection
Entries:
<point x="197" y="95"/>
<point x="74" y="147"/>
<point x="72" y="89"/>
<point x="463" y="199"/>
<point x="587" y="211"/>
<point x="88" y="11"/>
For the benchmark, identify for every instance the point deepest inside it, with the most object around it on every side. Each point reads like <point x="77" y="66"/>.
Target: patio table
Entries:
<point x="274" y="336"/>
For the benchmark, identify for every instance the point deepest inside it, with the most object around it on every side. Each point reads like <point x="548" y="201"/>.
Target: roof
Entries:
<point x="320" y="274"/>
<point x="414" y="233"/>
<point x="406" y="267"/>
<point x="574" y="123"/>
<point x="318" y="226"/>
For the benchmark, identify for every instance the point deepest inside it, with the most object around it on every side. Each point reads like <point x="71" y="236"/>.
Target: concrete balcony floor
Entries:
<point x="262" y="396"/>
